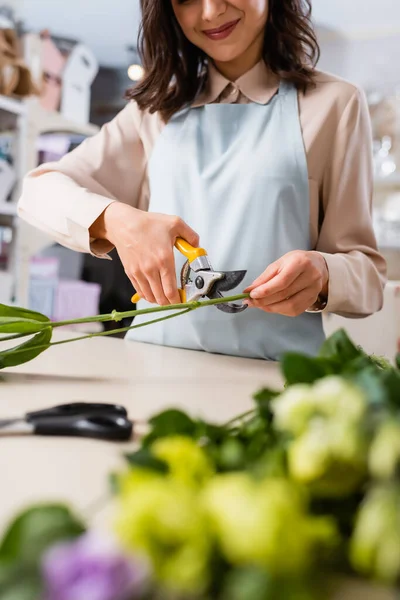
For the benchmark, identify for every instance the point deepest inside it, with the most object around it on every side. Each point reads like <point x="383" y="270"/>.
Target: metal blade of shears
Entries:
<point x="4" y="423"/>
<point x="228" y="307"/>
<point x="230" y="280"/>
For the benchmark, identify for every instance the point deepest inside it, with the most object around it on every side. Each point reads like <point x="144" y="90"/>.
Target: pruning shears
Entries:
<point x="200" y="280"/>
<point x="78" y="419"/>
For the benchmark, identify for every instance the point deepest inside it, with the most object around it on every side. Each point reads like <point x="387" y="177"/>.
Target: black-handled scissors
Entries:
<point x="81" y="419"/>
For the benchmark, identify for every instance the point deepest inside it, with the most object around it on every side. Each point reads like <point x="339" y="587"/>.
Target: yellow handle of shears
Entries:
<point x="188" y="252"/>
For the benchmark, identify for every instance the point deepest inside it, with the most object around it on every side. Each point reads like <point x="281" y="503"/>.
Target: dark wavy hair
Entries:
<point x="173" y="65"/>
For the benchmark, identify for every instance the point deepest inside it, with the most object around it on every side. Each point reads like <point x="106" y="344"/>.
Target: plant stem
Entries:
<point x="248" y="413"/>
<point x="121" y="330"/>
<point x="116" y="316"/>
<point x="119" y="316"/>
<point x="16" y="336"/>
<point x="104" y="333"/>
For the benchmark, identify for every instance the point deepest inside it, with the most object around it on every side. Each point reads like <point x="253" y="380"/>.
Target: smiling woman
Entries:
<point x="241" y="24"/>
<point x="234" y="141"/>
<point x="281" y="32"/>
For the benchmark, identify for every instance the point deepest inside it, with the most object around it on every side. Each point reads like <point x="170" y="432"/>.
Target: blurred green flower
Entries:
<point x="264" y="523"/>
<point x="375" y="545"/>
<point x="187" y="462"/>
<point x="328" y="446"/>
<point x="294" y="408"/>
<point x="162" y="518"/>
<point x="329" y="397"/>
<point x="339" y="397"/>
<point x="384" y="456"/>
<point x="329" y="456"/>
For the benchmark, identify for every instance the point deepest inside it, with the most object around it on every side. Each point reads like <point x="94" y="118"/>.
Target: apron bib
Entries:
<point x="237" y="174"/>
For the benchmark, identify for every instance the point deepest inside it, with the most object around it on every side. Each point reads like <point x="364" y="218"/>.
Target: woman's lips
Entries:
<point x="222" y="32"/>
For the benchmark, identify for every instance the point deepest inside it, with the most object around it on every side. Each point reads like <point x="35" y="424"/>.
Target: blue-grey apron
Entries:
<point x="237" y="174"/>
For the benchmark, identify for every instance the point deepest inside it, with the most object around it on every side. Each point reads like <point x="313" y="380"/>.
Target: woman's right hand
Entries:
<point x="145" y="244"/>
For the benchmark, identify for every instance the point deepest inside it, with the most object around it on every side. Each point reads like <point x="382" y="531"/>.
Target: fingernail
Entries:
<point x="254" y="294"/>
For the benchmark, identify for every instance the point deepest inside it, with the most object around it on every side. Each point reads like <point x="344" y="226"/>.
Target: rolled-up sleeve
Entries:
<point x="65" y="198"/>
<point x="357" y="271"/>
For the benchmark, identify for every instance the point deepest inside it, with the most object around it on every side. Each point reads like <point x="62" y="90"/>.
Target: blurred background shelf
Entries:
<point x="28" y="120"/>
<point x="8" y="208"/>
<point x="54" y="122"/>
<point x="12" y="105"/>
<point x="391" y="181"/>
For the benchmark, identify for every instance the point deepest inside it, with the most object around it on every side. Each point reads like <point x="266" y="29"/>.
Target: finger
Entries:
<point x="145" y="288"/>
<point x="157" y="288"/>
<point x="168" y="280"/>
<point x="280" y="282"/>
<point x="187" y="233"/>
<point x="136" y="286"/>
<point x="269" y="273"/>
<point x="300" y="283"/>
<point x="295" y="306"/>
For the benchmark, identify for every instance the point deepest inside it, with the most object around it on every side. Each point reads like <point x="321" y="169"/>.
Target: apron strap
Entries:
<point x="285" y="87"/>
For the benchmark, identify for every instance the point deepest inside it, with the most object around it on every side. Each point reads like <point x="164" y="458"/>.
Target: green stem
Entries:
<point x="248" y="413"/>
<point x="104" y="333"/>
<point x="121" y="330"/>
<point x="115" y="316"/>
<point x="16" y="336"/>
<point x="119" y="316"/>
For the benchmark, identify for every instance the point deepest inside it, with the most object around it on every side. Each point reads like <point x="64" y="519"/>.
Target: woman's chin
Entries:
<point x="223" y="55"/>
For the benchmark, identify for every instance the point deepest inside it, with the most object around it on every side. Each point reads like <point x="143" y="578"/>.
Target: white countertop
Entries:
<point x="142" y="377"/>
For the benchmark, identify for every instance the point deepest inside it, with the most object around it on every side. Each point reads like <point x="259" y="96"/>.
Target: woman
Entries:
<point x="234" y="140"/>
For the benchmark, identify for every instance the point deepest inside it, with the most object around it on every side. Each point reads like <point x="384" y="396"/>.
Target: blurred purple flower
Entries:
<point x="92" y="568"/>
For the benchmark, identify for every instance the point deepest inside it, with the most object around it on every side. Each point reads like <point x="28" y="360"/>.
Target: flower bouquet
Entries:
<point x="282" y="502"/>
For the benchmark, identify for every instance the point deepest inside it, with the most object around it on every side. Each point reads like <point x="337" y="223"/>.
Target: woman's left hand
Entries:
<point x="290" y="285"/>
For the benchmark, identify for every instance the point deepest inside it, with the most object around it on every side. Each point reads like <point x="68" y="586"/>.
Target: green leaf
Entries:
<point x="26" y="351"/>
<point x="359" y="364"/>
<point x="7" y="573"/>
<point x="254" y="583"/>
<point x="32" y="532"/>
<point x="210" y="433"/>
<point x="20" y="320"/>
<point x="14" y="326"/>
<point x="391" y="382"/>
<point x="398" y="360"/>
<point x="23" y="590"/>
<point x="24" y="313"/>
<point x="248" y="584"/>
<point x="258" y="435"/>
<point x="144" y="459"/>
<point x="263" y="400"/>
<point x="381" y="362"/>
<point x="381" y="385"/>
<point x="339" y="345"/>
<point x="20" y="582"/>
<point x="299" y="368"/>
<point x="168" y="423"/>
<point x="372" y="385"/>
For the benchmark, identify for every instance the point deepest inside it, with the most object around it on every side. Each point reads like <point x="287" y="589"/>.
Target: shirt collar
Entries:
<point x="259" y="84"/>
